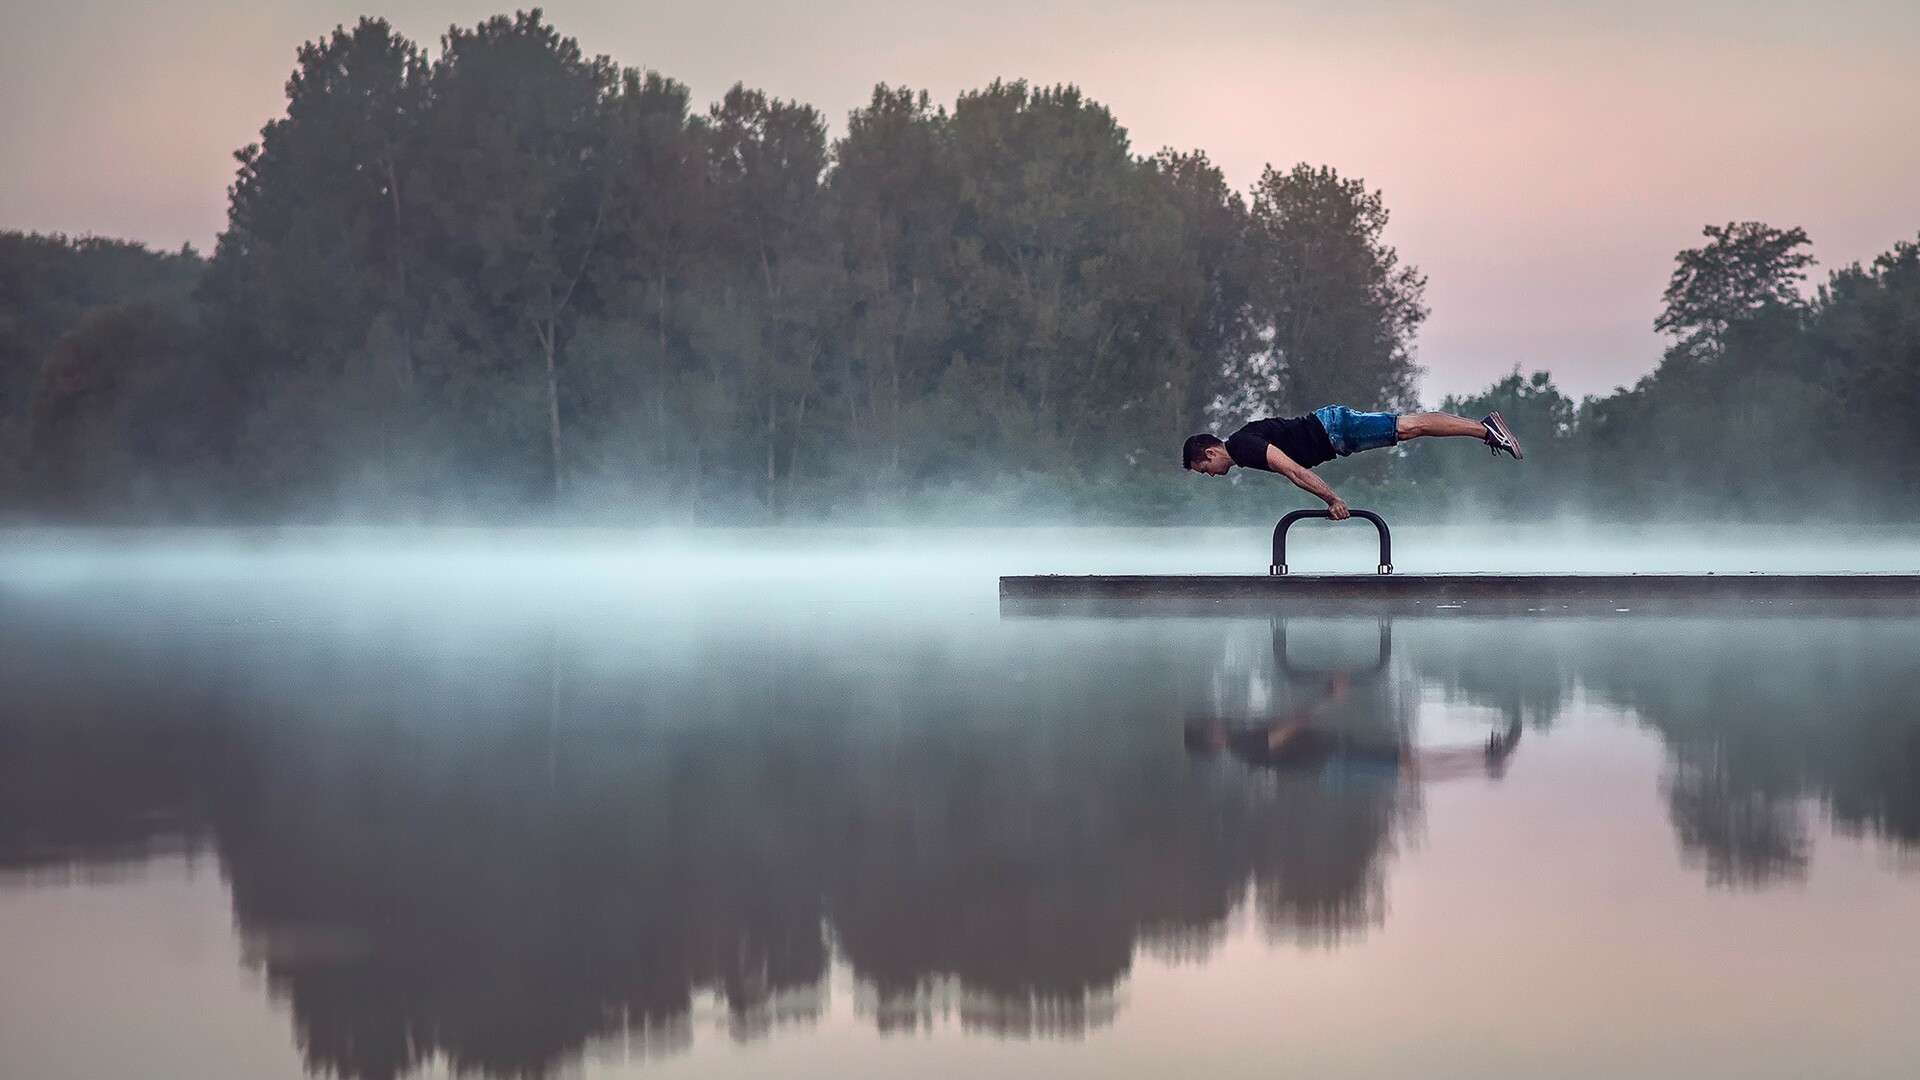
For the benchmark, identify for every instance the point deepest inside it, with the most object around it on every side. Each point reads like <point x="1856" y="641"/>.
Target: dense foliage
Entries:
<point x="511" y="278"/>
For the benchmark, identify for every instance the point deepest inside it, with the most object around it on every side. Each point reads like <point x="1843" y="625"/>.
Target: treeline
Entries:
<point x="511" y="279"/>
<point x="512" y="274"/>
<point x="1769" y="403"/>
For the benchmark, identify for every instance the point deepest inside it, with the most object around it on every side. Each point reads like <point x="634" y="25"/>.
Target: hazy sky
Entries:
<point x="1542" y="160"/>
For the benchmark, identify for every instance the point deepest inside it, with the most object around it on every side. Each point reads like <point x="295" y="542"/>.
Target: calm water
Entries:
<point x="646" y="808"/>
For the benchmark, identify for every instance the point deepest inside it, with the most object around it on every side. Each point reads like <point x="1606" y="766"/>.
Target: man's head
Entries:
<point x="1205" y="454"/>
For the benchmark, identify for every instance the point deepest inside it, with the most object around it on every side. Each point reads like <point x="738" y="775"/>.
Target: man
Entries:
<point x="1298" y="743"/>
<point x="1293" y="445"/>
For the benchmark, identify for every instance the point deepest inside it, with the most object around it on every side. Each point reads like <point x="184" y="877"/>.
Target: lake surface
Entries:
<point x="737" y="804"/>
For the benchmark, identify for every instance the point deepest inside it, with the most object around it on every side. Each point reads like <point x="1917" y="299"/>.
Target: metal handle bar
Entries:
<point x="1295" y="673"/>
<point x="1279" y="565"/>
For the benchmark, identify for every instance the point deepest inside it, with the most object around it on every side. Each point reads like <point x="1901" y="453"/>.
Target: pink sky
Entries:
<point x="1543" y="161"/>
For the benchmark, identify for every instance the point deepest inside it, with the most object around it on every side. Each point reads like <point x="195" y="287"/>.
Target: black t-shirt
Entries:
<point x="1302" y="438"/>
<point x="1311" y="748"/>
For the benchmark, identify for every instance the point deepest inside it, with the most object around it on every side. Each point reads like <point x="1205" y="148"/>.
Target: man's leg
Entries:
<point x="1492" y="431"/>
<point x="1439" y="424"/>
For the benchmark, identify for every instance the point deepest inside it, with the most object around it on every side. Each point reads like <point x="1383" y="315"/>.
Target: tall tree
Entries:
<point x="1746" y="271"/>
<point x="1065" y="247"/>
<point x="896" y="195"/>
<point x="310" y="291"/>
<point x="658" y="226"/>
<point x="1866" y="342"/>
<point x="767" y="159"/>
<point x="1332" y="305"/>
<point x="1214" y="228"/>
<point x="520" y="182"/>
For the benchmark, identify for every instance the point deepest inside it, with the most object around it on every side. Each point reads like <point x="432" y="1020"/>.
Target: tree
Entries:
<point x="1735" y="381"/>
<point x="521" y="184"/>
<point x="1332" y="305"/>
<point x="1865" y="330"/>
<point x="659" y="222"/>
<point x="1545" y="420"/>
<point x="1746" y="271"/>
<point x="115" y="426"/>
<point x="49" y="284"/>
<point x="895" y="199"/>
<point x="772" y="312"/>
<point x="312" y="294"/>
<point x="1530" y="403"/>
<point x="1214" y="226"/>
<point x="1067" y="269"/>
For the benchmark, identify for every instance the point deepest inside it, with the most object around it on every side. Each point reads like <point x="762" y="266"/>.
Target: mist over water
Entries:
<point x="387" y="803"/>
<point x="649" y="566"/>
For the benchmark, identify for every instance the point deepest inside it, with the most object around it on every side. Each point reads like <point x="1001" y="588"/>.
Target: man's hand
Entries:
<point x="1337" y="510"/>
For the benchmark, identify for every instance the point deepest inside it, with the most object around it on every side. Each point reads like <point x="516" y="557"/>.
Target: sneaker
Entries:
<point x="1499" y="438"/>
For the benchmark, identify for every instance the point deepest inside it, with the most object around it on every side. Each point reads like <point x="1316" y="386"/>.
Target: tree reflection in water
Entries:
<point x="1765" y="721"/>
<point x="499" y="856"/>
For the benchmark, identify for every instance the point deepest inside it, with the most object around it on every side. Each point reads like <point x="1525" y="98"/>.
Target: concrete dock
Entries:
<point x="1463" y="594"/>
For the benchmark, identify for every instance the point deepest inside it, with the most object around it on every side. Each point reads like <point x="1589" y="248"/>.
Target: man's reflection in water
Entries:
<point x="1305" y="739"/>
<point x="1299" y="741"/>
<point x="1335" y="740"/>
<point x="1322" y="828"/>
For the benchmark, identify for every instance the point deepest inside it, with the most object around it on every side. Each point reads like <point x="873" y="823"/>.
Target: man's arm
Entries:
<point x="1308" y="714"/>
<point x="1305" y="479"/>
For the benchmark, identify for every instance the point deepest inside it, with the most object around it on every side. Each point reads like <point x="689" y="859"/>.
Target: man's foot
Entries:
<point x="1499" y="438"/>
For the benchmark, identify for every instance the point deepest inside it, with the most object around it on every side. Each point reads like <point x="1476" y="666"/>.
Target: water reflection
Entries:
<point x="498" y="849"/>
<point x="1305" y="739"/>
<point x="1767" y="724"/>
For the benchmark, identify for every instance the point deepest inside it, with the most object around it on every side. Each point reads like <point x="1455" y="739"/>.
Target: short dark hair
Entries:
<point x="1196" y="448"/>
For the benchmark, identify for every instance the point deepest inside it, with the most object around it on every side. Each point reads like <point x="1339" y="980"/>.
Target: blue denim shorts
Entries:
<point x="1351" y="432"/>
